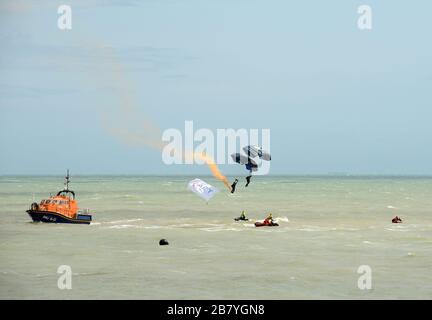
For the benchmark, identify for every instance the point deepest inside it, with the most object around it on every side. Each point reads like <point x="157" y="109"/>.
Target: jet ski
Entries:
<point x="262" y="224"/>
<point x="241" y="219"/>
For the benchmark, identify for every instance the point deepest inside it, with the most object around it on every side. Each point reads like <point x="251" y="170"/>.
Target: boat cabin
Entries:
<point x="61" y="204"/>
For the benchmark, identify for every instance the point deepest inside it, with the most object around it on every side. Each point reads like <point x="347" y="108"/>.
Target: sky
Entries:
<point x="336" y="99"/>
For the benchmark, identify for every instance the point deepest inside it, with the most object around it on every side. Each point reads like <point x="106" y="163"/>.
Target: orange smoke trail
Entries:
<point x="123" y="120"/>
<point x="146" y="132"/>
<point x="211" y="164"/>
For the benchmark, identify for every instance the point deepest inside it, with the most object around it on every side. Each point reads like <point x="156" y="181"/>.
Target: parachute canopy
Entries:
<point x="254" y="151"/>
<point x="251" y="152"/>
<point x="248" y="162"/>
<point x="202" y="189"/>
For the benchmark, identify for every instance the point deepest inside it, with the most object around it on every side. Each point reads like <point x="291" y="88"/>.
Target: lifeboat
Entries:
<point x="62" y="208"/>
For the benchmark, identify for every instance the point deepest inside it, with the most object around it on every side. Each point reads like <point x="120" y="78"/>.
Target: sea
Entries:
<point x="335" y="239"/>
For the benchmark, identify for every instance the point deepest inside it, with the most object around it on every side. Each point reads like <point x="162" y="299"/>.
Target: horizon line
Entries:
<point x="341" y="175"/>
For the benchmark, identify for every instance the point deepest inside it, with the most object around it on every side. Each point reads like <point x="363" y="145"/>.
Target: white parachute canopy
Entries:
<point x="202" y="188"/>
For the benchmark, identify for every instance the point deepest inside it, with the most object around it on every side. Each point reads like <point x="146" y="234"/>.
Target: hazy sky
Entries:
<point x="336" y="99"/>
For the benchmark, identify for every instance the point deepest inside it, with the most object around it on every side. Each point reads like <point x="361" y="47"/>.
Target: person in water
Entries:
<point x="396" y="220"/>
<point x="233" y="186"/>
<point x="248" y="180"/>
<point x="269" y="219"/>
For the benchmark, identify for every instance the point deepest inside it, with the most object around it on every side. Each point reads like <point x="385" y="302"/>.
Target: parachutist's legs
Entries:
<point x="248" y="179"/>
<point x="233" y="186"/>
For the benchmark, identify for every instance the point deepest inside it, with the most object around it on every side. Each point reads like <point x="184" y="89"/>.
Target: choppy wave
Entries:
<point x="123" y="226"/>
<point x="221" y="228"/>
<point x="121" y="221"/>
<point x="398" y="229"/>
<point x="311" y="228"/>
<point x="155" y="227"/>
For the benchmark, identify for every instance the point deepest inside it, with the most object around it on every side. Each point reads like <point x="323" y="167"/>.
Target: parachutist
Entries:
<point x="233" y="186"/>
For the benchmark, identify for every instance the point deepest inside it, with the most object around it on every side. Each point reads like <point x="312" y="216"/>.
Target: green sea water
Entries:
<point x="329" y="226"/>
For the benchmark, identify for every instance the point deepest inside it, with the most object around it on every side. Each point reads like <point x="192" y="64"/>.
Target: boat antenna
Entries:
<point x="67" y="181"/>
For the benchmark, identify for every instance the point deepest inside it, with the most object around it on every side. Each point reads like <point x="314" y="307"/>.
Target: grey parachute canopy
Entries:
<point x="251" y="152"/>
<point x="250" y="164"/>
<point x="257" y="151"/>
